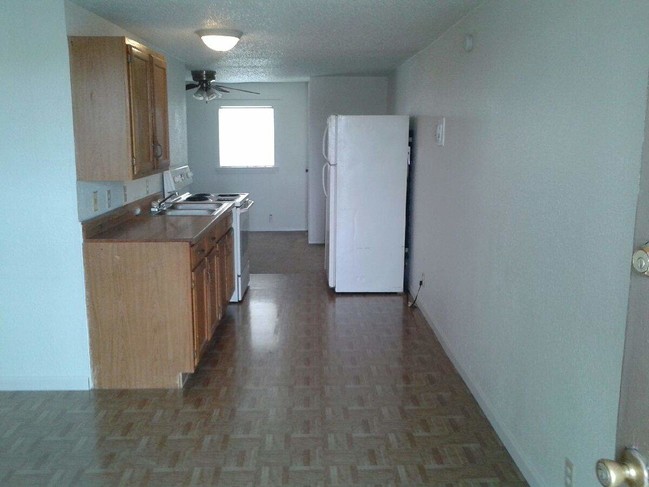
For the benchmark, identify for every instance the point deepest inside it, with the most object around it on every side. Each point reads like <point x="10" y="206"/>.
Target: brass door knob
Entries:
<point x="632" y="470"/>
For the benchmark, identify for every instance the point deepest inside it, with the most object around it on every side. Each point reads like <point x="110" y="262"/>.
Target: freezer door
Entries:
<point x="370" y="203"/>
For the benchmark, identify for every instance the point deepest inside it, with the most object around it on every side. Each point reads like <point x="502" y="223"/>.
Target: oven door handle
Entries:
<point x="244" y="209"/>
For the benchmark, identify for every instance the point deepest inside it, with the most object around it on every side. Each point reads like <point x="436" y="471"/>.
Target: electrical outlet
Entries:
<point x="270" y="218"/>
<point x="95" y="201"/>
<point x="125" y="195"/>
<point x="108" y="199"/>
<point x="422" y="279"/>
<point x="568" y="470"/>
<point x="147" y="186"/>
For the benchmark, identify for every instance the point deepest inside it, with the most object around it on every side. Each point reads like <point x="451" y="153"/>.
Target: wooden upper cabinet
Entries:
<point x="119" y="103"/>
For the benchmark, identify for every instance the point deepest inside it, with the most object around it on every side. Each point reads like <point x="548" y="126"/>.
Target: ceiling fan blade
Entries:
<point x="220" y="88"/>
<point x="235" y="89"/>
<point x="189" y="86"/>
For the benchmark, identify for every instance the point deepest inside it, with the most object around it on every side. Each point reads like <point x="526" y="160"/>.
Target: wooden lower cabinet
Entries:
<point x="212" y="279"/>
<point x="216" y="308"/>
<point x="200" y="307"/>
<point x="153" y="307"/>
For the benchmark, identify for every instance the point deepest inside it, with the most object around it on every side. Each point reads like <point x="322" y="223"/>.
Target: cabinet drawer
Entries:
<point x="221" y="228"/>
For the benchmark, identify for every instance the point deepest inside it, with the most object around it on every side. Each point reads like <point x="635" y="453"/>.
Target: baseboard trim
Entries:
<point x="529" y="472"/>
<point x="45" y="383"/>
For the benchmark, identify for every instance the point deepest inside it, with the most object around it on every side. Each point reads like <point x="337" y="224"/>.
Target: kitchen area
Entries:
<point x="162" y="263"/>
<point x="181" y="204"/>
<point x="184" y="165"/>
<point x="161" y="269"/>
<point x="165" y="243"/>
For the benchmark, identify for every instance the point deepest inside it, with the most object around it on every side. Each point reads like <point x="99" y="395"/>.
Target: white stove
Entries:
<point x="241" y="225"/>
<point x="178" y="178"/>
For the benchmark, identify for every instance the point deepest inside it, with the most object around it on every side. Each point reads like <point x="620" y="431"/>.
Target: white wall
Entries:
<point x="43" y="327"/>
<point x="523" y="221"/>
<point x="342" y="95"/>
<point x="281" y="191"/>
<point x="81" y="22"/>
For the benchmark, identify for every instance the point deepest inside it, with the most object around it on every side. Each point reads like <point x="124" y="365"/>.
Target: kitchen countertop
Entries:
<point x="161" y="228"/>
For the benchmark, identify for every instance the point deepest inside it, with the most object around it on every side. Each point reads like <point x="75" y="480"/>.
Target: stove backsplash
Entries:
<point x="95" y="198"/>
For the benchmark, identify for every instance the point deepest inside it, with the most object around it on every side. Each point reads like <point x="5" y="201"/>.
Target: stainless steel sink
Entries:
<point x="191" y="211"/>
<point x="210" y="208"/>
<point x="196" y="206"/>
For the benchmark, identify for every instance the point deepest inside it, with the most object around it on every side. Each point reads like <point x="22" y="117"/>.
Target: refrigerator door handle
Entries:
<point x="324" y="144"/>
<point x="324" y="188"/>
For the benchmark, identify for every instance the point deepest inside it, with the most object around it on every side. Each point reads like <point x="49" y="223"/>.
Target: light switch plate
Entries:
<point x="440" y="132"/>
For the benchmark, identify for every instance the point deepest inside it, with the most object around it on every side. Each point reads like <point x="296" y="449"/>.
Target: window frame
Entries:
<point x="247" y="103"/>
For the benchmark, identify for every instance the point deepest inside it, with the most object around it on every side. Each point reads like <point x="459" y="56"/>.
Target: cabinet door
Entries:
<point x="102" y="133"/>
<point x="213" y="292"/>
<point x="200" y="279"/>
<point x="226" y="268"/>
<point x="229" y="263"/>
<point x="139" y="82"/>
<point x="160" y="114"/>
<point x="223" y="297"/>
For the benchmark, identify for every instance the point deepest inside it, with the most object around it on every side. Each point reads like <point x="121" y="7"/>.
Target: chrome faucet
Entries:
<point x="161" y="205"/>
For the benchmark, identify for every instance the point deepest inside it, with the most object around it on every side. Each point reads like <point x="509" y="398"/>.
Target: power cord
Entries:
<point x="412" y="304"/>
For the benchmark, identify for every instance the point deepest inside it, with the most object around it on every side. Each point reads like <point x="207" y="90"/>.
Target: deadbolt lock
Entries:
<point x="631" y="471"/>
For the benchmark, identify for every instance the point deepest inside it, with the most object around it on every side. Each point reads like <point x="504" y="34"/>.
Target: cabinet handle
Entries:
<point x="157" y="150"/>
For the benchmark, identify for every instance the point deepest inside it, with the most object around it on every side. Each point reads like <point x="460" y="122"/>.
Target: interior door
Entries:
<point x="633" y="423"/>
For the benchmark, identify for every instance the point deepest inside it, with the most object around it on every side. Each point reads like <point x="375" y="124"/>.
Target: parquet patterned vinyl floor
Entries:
<point x="300" y="387"/>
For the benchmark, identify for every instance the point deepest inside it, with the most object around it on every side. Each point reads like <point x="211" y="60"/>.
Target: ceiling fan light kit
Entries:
<point x="206" y="94"/>
<point x="220" y="39"/>
<point x="208" y="89"/>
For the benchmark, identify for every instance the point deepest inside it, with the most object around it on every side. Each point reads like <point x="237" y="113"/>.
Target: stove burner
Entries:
<point x="229" y="195"/>
<point x="199" y="197"/>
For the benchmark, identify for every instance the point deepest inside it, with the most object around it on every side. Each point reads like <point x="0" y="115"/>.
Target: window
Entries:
<point x="246" y="136"/>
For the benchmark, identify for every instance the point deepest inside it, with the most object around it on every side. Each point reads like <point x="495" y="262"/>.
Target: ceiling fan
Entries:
<point x="208" y="89"/>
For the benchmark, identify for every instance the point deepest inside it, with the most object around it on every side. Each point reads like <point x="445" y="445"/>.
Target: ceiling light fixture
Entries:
<point x="220" y="39"/>
<point x="206" y="93"/>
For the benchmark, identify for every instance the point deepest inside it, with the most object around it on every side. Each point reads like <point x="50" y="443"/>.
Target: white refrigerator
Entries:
<point x="364" y="181"/>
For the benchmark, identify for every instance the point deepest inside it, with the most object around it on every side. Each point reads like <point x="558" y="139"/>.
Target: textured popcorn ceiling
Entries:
<point x="286" y="40"/>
